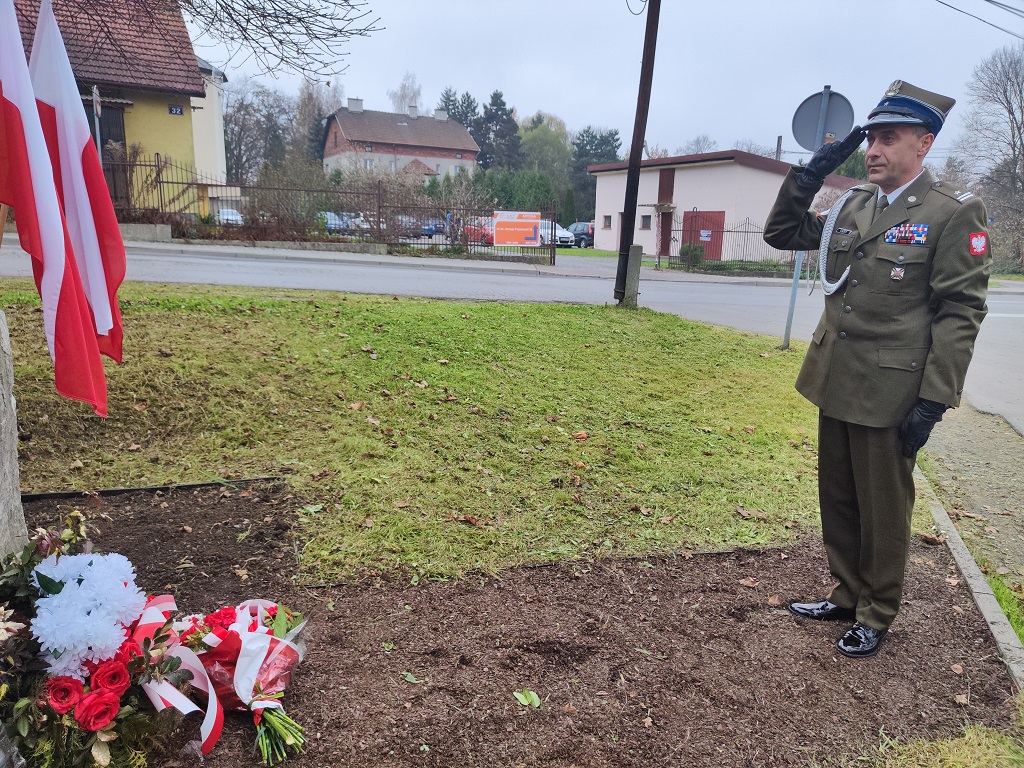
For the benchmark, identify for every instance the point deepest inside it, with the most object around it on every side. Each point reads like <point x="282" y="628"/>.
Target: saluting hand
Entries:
<point x="828" y="158"/>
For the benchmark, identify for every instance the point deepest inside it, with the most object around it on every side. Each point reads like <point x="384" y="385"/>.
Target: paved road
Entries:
<point x="756" y="305"/>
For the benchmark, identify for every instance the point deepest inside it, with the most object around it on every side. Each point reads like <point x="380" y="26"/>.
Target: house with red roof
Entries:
<point x="426" y="145"/>
<point x="144" y="66"/>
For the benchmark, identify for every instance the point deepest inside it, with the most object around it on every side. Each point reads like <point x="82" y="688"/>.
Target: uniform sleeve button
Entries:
<point x="842" y="334"/>
<point x="860" y="254"/>
<point x="854" y="283"/>
<point x="847" y="308"/>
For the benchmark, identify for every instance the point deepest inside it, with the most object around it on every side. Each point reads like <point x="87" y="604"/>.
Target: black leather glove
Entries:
<point x="828" y="158"/>
<point x="917" y="426"/>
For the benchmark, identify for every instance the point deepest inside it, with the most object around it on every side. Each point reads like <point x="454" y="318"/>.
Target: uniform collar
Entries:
<point x="894" y="195"/>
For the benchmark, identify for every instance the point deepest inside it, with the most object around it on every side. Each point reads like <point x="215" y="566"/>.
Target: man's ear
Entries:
<point x="926" y="144"/>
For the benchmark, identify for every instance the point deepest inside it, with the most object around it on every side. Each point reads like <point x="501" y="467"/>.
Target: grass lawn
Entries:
<point x="431" y="438"/>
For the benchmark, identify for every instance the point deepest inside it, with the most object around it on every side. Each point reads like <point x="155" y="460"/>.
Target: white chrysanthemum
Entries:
<point x="87" y="618"/>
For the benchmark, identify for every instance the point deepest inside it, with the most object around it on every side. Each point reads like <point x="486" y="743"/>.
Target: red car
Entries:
<point x="480" y="231"/>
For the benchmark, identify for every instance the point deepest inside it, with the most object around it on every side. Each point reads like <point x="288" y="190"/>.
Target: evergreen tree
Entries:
<point x="497" y="134"/>
<point x="590" y="147"/>
<point x="449" y="101"/>
<point x="467" y="110"/>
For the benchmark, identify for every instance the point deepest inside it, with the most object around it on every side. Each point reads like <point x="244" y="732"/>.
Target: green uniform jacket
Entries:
<point x="903" y="325"/>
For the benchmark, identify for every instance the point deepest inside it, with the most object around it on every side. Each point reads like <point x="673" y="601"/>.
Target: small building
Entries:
<point x="144" y="66"/>
<point x="208" y="124"/>
<point x="702" y="198"/>
<point x="387" y="141"/>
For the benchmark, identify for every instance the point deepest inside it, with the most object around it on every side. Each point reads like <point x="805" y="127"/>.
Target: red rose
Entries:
<point x="62" y="693"/>
<point x="111" y="676"/>
<point x="97" y="710"/>
<point x="223" y="617"/>
<point x="129" y="650"/>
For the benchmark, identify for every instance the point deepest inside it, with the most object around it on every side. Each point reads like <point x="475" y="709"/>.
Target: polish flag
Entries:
<point x="26" y="184"/>
<point x="78" y="173"/>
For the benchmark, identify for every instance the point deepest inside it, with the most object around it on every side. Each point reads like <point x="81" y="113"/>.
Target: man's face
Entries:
<point x="895" y="154"/>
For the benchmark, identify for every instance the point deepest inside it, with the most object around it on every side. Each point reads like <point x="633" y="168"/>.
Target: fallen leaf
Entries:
<point x="372" y="421"/>
<point x="409" y="677"/>
<point x="952" y="581"/>
<point x="958" y="610"/>
<point x="648" y="722"/>
<point x="579" y="465"/>
<point x="991" y="529"/>
<point x="1002" y="570"/>
<point x="581" y="435"/>
<point x="367" y="522"/>
<point x="932" y="539"/>
<point x="775" y="601"/>
<point x="320" y="475"/>
<point x="403" y="504"/>
<point x="77" y="464"/>
<point x="241" y="573"/>
<point x="569" y="708"/>
<point x="134" y="447"/>
<point x="641" y="447"/>
<point x="748" y="582"/>
<point x="746" y="513"/>
<point x="961" y="698"/>
<point x="139" y="407"/>
<point x="186" y="529"/>
<point x="766" y="354"/>
<point x="420" y="384"/>
<point x="958" y="669"/>
<point x="972" y="516"/>
<point x="357" y="405"/>
<point x="668" y="519"/>
<point x="750" y="429"/>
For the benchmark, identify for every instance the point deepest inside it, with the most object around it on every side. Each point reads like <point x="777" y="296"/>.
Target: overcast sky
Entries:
<point x="732" y="69"/>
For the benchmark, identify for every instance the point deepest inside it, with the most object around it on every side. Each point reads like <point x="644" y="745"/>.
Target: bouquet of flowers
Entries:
<point x="249" y="652"/>
<point x="72" y="671"/>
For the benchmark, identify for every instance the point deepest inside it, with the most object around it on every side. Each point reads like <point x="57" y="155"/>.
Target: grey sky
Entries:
<point x="732" y="69"/>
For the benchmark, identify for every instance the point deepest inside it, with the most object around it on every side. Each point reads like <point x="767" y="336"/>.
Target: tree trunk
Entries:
<point x="13" y="531"/>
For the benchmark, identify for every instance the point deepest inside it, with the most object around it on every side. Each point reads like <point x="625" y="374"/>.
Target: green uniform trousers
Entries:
<point x="866" y="493"/>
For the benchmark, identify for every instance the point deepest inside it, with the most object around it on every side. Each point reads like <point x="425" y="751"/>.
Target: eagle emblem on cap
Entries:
<point x="894" y="88"/>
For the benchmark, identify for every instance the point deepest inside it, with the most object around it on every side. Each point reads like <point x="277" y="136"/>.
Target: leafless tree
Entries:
<point x="256" y="122"/>
<point x="748" y="145"/>
<point x="993" y="140"/>
<point x="698" y="145"/>
<point x="305" y="36"/>
<point x="407" y="94"/>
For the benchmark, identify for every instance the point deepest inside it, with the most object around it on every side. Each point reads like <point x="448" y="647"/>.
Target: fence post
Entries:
<point x="159" y="182"/>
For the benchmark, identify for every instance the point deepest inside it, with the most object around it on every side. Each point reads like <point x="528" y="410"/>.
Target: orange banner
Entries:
<point x="516" y="228"/>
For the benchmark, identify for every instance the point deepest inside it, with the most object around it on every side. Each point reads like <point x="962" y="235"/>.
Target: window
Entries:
<point x="335" y="137"/>
<point x="438" y="168"/>
<point x="368" y="164"/>
<point x="606" y="222"/>
<point x="645" y="221"/>
<point x="367" y="148"/>
<point x="455" y="170"/>
<point x="391" y="165"/>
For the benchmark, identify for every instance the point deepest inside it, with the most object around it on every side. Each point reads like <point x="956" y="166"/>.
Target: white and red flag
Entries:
<point x="27" y="185"/>
<point x="78" y="174"/>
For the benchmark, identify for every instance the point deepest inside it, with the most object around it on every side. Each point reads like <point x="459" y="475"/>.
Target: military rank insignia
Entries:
<point x="907" y="234"/>
<point x="979" y="243"/>
<point x="897" y="273"/>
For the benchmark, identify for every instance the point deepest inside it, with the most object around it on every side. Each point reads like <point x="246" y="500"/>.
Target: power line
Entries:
<point x="984" y="20"/>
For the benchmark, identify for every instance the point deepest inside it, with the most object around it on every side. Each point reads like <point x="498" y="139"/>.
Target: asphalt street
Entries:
<point x="758" y="305"/>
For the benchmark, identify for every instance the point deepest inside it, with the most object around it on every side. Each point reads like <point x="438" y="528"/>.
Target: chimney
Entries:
<point x="440" y="115"/>
<point x="355" y="106"/>
<point x="414" y="111"/>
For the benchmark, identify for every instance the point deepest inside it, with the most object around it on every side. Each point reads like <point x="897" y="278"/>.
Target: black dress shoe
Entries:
<point x="860" y="641"/>
<point x="822" y="610"/>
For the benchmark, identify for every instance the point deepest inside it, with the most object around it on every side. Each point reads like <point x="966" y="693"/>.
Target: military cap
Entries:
<point x="907" y="104"/>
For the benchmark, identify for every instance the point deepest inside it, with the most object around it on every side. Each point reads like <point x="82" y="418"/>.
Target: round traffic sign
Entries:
<point x="822" y="118"/>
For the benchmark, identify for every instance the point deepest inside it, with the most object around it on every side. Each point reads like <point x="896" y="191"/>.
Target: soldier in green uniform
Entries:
<point x="905" y="267"/>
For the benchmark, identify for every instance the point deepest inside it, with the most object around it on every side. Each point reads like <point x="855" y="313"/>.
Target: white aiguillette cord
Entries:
<point x="826" y="239"/>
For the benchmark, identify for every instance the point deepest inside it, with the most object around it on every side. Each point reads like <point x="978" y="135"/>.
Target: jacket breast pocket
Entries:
<point x="900" y="269"/>
<point x="838" y="256"/>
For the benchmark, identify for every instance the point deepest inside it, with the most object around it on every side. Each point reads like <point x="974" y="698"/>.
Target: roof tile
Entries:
<point x="135" y="48"/>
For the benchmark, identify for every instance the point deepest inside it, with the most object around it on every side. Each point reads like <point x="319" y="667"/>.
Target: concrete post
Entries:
<point x="13" y="531"/>
<point x="636" y="253"/>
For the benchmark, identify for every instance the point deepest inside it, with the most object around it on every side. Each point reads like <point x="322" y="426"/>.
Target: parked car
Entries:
<point x="332" y="222"/>
<point x="431" y="225"/>
<point x="480" y="230"/>
<point x="229" y="217"/>
<point x="353" y="223"/>
<point x="549" y="231"/>
<point x="583" y="231"/>
<point x="408" y="226"/>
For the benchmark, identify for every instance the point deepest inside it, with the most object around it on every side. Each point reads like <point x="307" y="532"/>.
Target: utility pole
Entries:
<point x="643" y="104"/>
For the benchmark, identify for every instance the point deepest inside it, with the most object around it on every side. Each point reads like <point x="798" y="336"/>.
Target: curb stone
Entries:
<point x="1010" y="648"/>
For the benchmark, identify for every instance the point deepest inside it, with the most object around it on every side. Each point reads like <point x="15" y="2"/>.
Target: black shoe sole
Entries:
<point x="847" y="615"/>
<point x="868" y="655"/>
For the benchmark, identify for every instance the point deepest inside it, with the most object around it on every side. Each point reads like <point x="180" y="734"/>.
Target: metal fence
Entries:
<point x="156" y="190"/>
<point x="701" y="245"/>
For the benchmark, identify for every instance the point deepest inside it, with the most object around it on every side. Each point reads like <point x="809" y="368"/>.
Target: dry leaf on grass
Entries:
<point x="748" y="582"/>
<point x="932" y="540"/>
<point x="581" y="435"/>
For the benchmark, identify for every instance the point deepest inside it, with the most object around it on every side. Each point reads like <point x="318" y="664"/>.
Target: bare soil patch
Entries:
<point x="638" y="662"/>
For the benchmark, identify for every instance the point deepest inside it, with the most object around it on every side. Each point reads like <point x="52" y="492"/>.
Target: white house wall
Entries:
<point x="741" y="191"/>
<point x="208" y="131"/>
<point x="386" y="161"/>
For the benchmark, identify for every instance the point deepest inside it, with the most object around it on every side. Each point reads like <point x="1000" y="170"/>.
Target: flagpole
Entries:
<point x="3" y="221"/>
